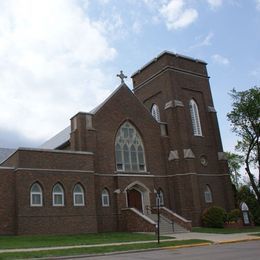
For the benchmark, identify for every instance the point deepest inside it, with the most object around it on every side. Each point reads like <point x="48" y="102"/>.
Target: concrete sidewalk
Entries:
<point x="214" y="238"/>
<point x="218" y="238"/>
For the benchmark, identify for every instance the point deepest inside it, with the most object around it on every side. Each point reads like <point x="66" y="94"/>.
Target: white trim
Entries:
<point x="39" y="193"/>
<point x="171" y="68"/>
<point x="105" y="193"/>
<point x="176" y="215"/>
<point x="195" y="118"/>
<point x="141" y="215"/>
<point x="132" y="184"/>
<point x="161" y="176"/>
<point x="81" y="193"/>
<point x="169" y="53"/>
<point x="52" y="151"/>
<point x="53" y="170"/>
<point x="61" y="193"/>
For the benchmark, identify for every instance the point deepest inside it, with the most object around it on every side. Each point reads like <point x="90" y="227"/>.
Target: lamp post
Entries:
<point x="158" y="215"/>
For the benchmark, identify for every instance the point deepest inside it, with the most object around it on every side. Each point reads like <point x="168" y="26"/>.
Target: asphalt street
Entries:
<point x="238" y="251"/>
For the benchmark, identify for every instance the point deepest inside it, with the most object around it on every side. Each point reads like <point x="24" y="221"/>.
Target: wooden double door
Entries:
<point x="134" y="198"/>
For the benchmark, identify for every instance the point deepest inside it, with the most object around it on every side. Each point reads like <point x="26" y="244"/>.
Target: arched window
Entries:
<point x="105" y="198"/>
<point x="161" y="197"/>
<point x="129" y="149"/>
<point x="208" y="194"/>
<point x="57" y="195"/>
<point x="36" y="195"/>
<point x="195" y="118"/>
<point x="78" y="195"/>
<point x="156" y="112"/>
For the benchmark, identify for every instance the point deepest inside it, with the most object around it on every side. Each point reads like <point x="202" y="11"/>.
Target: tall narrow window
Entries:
<point x="105" y="198"/>
<point x="78" y="195"/>
<point x="208" y="194"/>
<point x="129" y="149"/>
<point x="36" y="195"/>
<point x="57" y="195"/>
<point x="195" y="118"/>
<point x="156" y="112"/>
<point x="161" y="197"/>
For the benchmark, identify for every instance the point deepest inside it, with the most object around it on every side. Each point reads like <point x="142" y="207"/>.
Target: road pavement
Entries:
<point x="239" y="251"/>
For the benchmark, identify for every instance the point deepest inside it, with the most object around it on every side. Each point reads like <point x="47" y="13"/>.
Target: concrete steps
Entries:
<point x="167" y="226"/>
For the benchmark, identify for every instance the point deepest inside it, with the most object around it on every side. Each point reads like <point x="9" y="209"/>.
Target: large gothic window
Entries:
<point x="129" y="149"/>
<point x="156" y="112"/>
<point x="195" y="118"/>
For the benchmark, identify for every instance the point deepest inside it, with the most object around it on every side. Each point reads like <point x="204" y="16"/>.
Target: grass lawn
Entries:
<point x="225" y="230"/>
<point x="96" y="250"/>
<point x="7" y="242"/>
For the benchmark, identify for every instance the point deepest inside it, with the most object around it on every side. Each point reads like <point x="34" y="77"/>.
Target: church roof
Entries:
<point x="57" y="140"/>
<point x="64" y="136"/>
<point x="97" y="108"/>
<point x="5" y="153"/>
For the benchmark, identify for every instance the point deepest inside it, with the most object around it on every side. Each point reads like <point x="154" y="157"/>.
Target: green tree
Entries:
<point x="235" y="162"/>
<point x="245" y="194"/>
<point x="245" y="121"/>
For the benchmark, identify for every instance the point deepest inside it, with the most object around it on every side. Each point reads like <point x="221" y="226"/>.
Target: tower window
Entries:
<point x="156" y="112"/>
<point x="105" y="198"/>
<point x="208" y="194"/>
<point x="195" y="118"/>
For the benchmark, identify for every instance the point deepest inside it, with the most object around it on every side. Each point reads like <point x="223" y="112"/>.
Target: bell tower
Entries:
<point x="176" y="89"/>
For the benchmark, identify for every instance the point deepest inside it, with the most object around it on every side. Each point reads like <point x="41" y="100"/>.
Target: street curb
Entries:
<point x="237" y="241"/>
<point x="187" y="246"/>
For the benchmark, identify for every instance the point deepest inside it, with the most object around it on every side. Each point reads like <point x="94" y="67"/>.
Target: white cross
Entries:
<point x="121" y="76"/>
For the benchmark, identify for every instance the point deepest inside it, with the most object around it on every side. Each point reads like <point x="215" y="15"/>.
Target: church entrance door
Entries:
<point x="135" y="199"/>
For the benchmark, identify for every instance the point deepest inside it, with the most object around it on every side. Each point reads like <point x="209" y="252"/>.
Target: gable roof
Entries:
<point x="96" y="109"/>
<point x="64" y="136"/>
<point x="57" y="140"/>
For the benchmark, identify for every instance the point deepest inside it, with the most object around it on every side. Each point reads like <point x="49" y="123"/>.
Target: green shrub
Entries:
<point x="214" y="217"/>
<point x="233" y="216"/>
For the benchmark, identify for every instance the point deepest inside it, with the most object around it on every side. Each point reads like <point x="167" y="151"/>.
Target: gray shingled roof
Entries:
<point x="57" y="140"/>
<point x="5" y="153"/>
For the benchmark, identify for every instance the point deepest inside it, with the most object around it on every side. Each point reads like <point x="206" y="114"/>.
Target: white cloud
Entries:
<point x="220" y="59"/>
<point x="203" y="41"/>
<point x="51" y="57"/>
<point x="176" y="14"/>
<point x="257" y="4"/>
<point x="215" y="3"/>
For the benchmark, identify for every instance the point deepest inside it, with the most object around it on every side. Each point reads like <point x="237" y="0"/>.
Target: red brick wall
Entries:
<point x="49" y="219"/>
<point x="7" y="201"/>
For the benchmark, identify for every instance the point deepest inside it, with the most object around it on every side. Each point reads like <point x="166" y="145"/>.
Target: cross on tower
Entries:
<point x="121" y="76"/>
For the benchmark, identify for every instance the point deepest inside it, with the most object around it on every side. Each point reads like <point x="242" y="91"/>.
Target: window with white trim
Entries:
<point x="129" y="149"/>
<point x="208" y="194"/>
<point x="105" y="198"/>
<point x="161" y="197"/>
<point x="195" y="118"/>
<point x="156" y="112"/>
<point x="36" y="195"/>
<point x="78" y="195"/>
<point x="58" y="195"/>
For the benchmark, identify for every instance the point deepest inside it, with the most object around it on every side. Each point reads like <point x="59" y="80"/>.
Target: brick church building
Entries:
<point x="105" y="172"/>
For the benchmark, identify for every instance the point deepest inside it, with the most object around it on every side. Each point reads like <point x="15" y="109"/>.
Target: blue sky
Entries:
<point x="58" y="57"/>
